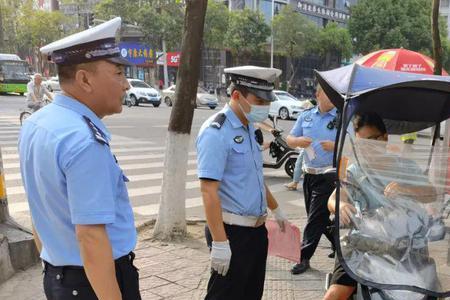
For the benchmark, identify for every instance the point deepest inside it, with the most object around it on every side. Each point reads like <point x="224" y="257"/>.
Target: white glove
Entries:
<point x="280" y="218"/>
<point x="220" y="257"/>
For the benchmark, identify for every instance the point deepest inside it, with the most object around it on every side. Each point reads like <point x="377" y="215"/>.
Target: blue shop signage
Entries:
<point x="137" y="53"/>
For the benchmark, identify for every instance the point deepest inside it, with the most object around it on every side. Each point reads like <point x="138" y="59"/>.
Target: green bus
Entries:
<point x="14" y="74"/>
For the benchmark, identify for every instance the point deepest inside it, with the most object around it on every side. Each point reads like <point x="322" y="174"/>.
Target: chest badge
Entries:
<point x="308" y="119"/>
<point x="238" y="139"/>
<point x="333" y="124"/>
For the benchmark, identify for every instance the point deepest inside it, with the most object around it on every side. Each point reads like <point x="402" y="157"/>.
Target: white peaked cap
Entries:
<point x="261" y="73"/>
<point x="102" y="31"/>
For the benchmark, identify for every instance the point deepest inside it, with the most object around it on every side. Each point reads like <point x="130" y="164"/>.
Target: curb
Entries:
<point x="17" y="248"/>
<point x="140" y="225"/>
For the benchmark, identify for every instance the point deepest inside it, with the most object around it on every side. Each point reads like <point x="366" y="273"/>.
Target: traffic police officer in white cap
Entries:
<point x="315" y="130"/>
<point x="82" y="217"/>
<point x="230" y="169"/>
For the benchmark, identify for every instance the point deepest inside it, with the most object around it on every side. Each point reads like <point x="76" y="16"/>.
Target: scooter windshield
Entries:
<point x="393" y="201"/>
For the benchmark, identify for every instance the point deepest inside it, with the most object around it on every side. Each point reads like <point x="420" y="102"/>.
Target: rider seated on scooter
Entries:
<point x="35" y="93"/>
<point x="368" y="126"/>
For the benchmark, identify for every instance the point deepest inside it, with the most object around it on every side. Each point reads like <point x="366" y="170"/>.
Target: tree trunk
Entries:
<point x="327" y="60"/>
<point x="54" y="5"/>
<point x="440" y="162"/>
<point x="294" y="69"/>
<point x="437" y="47"/>
<point x="171" y="220"/>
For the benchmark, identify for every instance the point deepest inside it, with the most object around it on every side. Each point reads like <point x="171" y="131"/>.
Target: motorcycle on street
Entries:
<point x="279" y="150"/>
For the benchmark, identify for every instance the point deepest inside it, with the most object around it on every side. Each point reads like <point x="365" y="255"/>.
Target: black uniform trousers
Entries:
<point x="247" y="272"/>
<point x="71" y="282"/>
<point x="317" y="189"/>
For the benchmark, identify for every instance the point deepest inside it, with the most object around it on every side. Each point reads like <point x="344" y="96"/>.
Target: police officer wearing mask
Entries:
<point x="82" y="217"/>
<point x="315" y="131"/>
<point x="235" y="197"/>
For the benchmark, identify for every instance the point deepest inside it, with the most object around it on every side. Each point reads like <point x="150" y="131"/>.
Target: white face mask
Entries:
<point x="258" y="113"/>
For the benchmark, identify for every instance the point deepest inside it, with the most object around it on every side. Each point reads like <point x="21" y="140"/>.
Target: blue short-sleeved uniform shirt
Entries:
<point x="71" y="177"/>
<point x="232" y="155"/>
<point x="314" y="124"/>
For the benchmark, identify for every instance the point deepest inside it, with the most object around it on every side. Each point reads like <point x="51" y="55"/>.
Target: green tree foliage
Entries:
<point x="106" y="9"/>
<point x="36" y="28"/>
<point x="334" y="40"/>
<point x="294" y="36"/>
<point x="247" y="34"/>
<point x="157" y="19"/>
<point x="216" y="24"/>
<point x="8" y="25"/>
<point x="384" y="24"/>
<point x="162" y="21"/>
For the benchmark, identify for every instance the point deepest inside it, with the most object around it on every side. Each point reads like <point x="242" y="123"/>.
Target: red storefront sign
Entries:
<point x="173" y="59"/>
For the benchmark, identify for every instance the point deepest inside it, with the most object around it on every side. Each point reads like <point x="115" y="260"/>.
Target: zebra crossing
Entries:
<point x="141" y="160"/>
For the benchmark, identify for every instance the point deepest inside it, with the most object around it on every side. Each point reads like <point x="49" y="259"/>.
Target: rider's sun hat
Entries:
<point x="96" y="43"/>
<point x="258" y="80"/>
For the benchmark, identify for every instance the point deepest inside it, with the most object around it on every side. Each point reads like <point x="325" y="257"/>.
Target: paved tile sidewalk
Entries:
<point x="180" y="270"/>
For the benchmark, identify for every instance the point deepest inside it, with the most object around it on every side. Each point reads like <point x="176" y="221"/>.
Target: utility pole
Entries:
<point x="166" y="74"/>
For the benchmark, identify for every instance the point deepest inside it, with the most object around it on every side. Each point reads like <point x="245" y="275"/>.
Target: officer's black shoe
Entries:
<point x="332" y="255"/>
<point x="300" y="268"/>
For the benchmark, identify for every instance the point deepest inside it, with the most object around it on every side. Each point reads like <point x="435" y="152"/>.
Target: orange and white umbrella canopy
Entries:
<point x="402" y="60"/>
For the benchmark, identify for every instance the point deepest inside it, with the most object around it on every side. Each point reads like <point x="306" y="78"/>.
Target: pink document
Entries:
<point x="284" y="244"/>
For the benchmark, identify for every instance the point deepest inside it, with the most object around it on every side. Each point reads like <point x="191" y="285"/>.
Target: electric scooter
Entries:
<point x="279" y="150"/>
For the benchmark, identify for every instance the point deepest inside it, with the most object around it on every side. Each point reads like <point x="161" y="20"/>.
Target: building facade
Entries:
<point x="321" y="12"/>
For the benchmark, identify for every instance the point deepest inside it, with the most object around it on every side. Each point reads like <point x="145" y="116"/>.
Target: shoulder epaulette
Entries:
<point x="99" y="136"/>
<point x="218" y="121"/>
<point x="307" y="111"/>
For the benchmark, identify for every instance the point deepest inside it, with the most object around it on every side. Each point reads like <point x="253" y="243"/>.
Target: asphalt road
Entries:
<point x="138" y="141"/>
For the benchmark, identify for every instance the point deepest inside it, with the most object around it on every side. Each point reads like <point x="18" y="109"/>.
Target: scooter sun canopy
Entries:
<point x="393" y="194"/>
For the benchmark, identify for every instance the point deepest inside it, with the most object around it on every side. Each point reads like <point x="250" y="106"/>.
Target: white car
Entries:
<point x="142" y="92"/>
<point x="203" y="97"/>
<point x="52" y="84"/>
<point x="287" y="106"/>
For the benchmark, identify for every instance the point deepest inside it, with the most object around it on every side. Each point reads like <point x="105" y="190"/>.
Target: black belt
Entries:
<point x="126" y="259"/>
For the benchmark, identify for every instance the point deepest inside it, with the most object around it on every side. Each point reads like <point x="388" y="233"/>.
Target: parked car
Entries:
<point x="203" y="97"/>
<point x="52" y="84"/>
<point x="142" y="92"/>
<point x="287" y="106"/>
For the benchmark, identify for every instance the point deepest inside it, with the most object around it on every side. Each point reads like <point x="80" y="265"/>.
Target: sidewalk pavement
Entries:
<point x="180" y="270"/>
